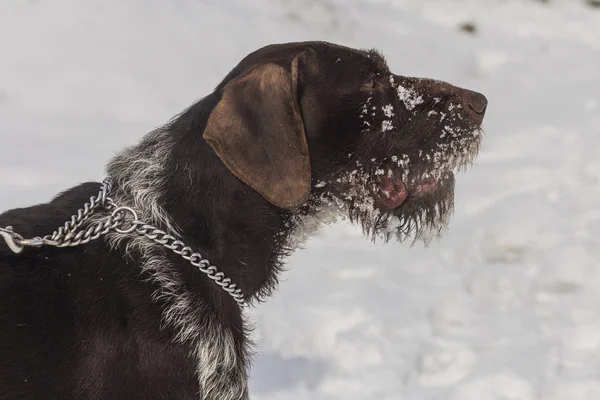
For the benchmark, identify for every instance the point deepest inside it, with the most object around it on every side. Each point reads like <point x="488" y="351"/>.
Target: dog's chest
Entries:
<point x="136" y="367"/>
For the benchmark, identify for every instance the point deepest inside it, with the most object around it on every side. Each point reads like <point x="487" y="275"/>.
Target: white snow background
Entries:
<point x="505" y="307"/>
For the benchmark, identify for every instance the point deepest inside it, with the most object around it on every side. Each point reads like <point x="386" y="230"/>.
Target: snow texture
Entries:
<point x="409" y="97"/>
<point x="505" y="306"/>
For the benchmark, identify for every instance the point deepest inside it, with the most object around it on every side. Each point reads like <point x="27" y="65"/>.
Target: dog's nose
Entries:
<point x="476" y="104"/>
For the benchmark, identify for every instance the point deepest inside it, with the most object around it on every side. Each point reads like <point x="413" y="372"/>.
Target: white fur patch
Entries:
<point x="139" y="177"/>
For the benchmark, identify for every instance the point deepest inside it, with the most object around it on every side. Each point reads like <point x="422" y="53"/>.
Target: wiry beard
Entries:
<point x="423" y="219"/>
<point x="418" y="219"/>
<point x="350" y="194"/>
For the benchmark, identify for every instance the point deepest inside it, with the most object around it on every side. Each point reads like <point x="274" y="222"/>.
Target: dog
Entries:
<point x="294" y="133"/>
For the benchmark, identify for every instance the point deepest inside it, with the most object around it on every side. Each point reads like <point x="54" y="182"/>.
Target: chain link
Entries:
<point x="70" y="235"/>
<point x="178" y="247"/>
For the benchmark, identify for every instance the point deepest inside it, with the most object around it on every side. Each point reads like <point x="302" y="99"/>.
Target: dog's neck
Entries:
<point x="175" y="180"/>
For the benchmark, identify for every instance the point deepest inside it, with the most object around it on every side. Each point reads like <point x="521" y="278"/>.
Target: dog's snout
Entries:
<point x="476" y="103"/>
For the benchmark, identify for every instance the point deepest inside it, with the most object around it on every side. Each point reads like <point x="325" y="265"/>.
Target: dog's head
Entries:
<point x="313" y="124"/>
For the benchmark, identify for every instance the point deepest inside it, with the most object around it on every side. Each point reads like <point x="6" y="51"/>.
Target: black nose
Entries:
<point x="477" y="103"/>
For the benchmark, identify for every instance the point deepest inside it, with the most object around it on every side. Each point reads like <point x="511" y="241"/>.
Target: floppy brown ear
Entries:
<point x="257" y="131"/>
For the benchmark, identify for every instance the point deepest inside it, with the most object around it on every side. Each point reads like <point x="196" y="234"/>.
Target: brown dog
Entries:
<point x="293" y="130"/>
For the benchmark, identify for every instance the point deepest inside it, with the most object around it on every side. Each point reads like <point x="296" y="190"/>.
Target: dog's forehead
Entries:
<point x="377" y="57"/>
<point x="327" y="54"/>
<point x="369" y="57"/>
<point x="343" y="66"/>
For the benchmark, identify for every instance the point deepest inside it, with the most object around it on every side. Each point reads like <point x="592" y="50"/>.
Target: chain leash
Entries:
<point x="70" y="235"/>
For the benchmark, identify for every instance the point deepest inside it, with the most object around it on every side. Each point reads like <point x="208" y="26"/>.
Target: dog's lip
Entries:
<point x="392" y="191"/>
<point x="421" y="187"/>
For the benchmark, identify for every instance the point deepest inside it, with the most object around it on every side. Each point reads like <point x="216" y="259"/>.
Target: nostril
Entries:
<point x="477" y="102"/>
<point x="478" y="107"/>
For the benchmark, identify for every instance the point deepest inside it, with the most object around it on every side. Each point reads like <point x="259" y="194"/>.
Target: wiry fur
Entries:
<point x="124" y="318"/>
<point x="139" y="178"/>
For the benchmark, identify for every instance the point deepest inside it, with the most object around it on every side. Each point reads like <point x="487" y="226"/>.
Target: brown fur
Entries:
<point x="277" y="165"/>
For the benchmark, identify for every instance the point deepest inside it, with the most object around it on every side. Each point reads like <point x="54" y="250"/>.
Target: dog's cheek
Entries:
<point x="313" y="106"/>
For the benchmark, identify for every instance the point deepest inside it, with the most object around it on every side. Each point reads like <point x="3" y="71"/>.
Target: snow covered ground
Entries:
<point x="505" y="307"/>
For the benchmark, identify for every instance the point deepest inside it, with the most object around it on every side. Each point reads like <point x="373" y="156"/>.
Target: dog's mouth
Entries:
<point x="424" y="176"/>
<point x="407" y="195"/>
<point x="392" y="191"/>
<point x="394" y="187"/>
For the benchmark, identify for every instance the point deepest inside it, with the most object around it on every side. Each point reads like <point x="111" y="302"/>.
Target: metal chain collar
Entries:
<point x="70" y="235"/>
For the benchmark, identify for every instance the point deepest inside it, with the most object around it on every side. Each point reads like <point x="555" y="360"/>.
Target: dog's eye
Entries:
<point x="369" y="83"/>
